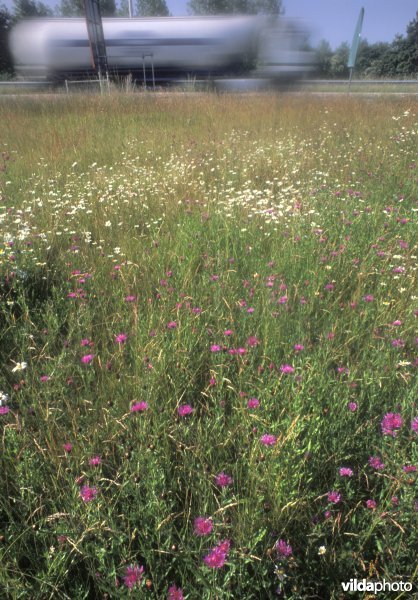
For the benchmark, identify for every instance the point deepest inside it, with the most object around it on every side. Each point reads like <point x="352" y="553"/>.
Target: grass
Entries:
<point x="207" y="308"/>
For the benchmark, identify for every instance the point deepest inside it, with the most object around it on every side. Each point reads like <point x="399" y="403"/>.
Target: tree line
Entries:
<point x="398" y="58"/>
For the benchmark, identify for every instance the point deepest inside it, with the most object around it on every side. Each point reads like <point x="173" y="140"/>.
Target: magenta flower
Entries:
<point x="130" y="298"/>
<point x="352" y="406"/>
<point x="398" y="343"/>
<point x="85" y="342"/>
<point x="334" y="497"/>
<point x="368" y="298"/>
<point x="376" y="463"/>
<point x="67" y="447"/>
<point x="253" y="403"/>
<point x="184" y="410"/>
<point x="171" y="325"/>
<point x="202" y="526"/>
<point x="215" y="348"/>
<point x="283" y="548"/>
<point x="298" y="347"/>
<point x="87" y="358"/>
<point x="88" y="493"/>
<point x="4" y="410"/>
<point x="390" y="423"/>
<point x="133" y="576"/>
<point x="287" y="369"/>
<point x="268" y="439"/>
<point x="121" y="338"/>
<point x="218" y="555"/>
<point x="346" y="472"/>
<point x="253" y="341"/>
<point x="139" y="406"/>
<point x="414" y="425"/>
<point x="228" y="332"/>
<point x="372" y="504"/>
<point x="175" y="593"/>
<point x="44" y="378"/>
<point x="409" y="469"/>
<point x="95" y="461"/>
<point x="223" y="480"/>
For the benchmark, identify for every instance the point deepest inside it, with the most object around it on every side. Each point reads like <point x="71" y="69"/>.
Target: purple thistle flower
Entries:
<point x="171" y="325"/>
<point x="287" y="369"/>
<point x="88" y="493"/>
<point x="203" y="526"/>
<point x="390" y="423"/>
<point x="218" y="555"/>
<point x="223" y="480"/>
<point x="253" y="403"/>
<point x="139" y="406"/>
<point x="95" y="461"/>
<point x="414" y="425"/>
<point x="283" y="548"/>
<point x="376" y="463"/>
<point x="133" y="575"/>
<point x="184" y="410"/>
<point x="268" y="439"/>
<point x="215" y="348"/>
<point x="372" y="504"/>
<point x="121" y="338"/>
<point x="346" y="472"/>
<point x="334" y="497"/>
<point x="352" y="406"/>
<point x="175" y="593"/>
<point x="87" y="359"/>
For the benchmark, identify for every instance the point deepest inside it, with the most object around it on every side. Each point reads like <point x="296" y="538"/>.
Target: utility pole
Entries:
<point x="96" y="39"/>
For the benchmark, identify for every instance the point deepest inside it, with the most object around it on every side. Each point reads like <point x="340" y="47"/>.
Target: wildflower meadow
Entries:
<point x="208" y="346"/>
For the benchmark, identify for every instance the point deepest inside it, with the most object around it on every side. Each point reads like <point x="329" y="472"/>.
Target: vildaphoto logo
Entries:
<point x="363" y="585"/>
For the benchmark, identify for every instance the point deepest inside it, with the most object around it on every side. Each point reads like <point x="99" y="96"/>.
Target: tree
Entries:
<point x="24" y="9"/>
<point x="6" y="65"/>
<point x="75" y="8"/>
<point x="152" y="8"/>
<point x="339" y="61"/>
<point x="323" y="56"/>
<point x="250" y="7"/>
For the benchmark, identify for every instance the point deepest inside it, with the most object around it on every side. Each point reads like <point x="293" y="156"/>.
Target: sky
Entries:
<point x="332" y="20"/>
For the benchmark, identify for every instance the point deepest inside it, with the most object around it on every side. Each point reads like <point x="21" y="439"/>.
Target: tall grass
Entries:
<point x="207" y="311"/>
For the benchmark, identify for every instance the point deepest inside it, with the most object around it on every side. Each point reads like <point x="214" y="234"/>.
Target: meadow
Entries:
<point x="208" y="346"/>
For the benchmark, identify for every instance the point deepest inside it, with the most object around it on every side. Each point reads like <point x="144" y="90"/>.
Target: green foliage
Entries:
<point x="24" y="9"/>
<point x="218" y="7"/>
<point x="75" y="8"/>
<point x="6" y="65"/>
<point x="152" y="8"/>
